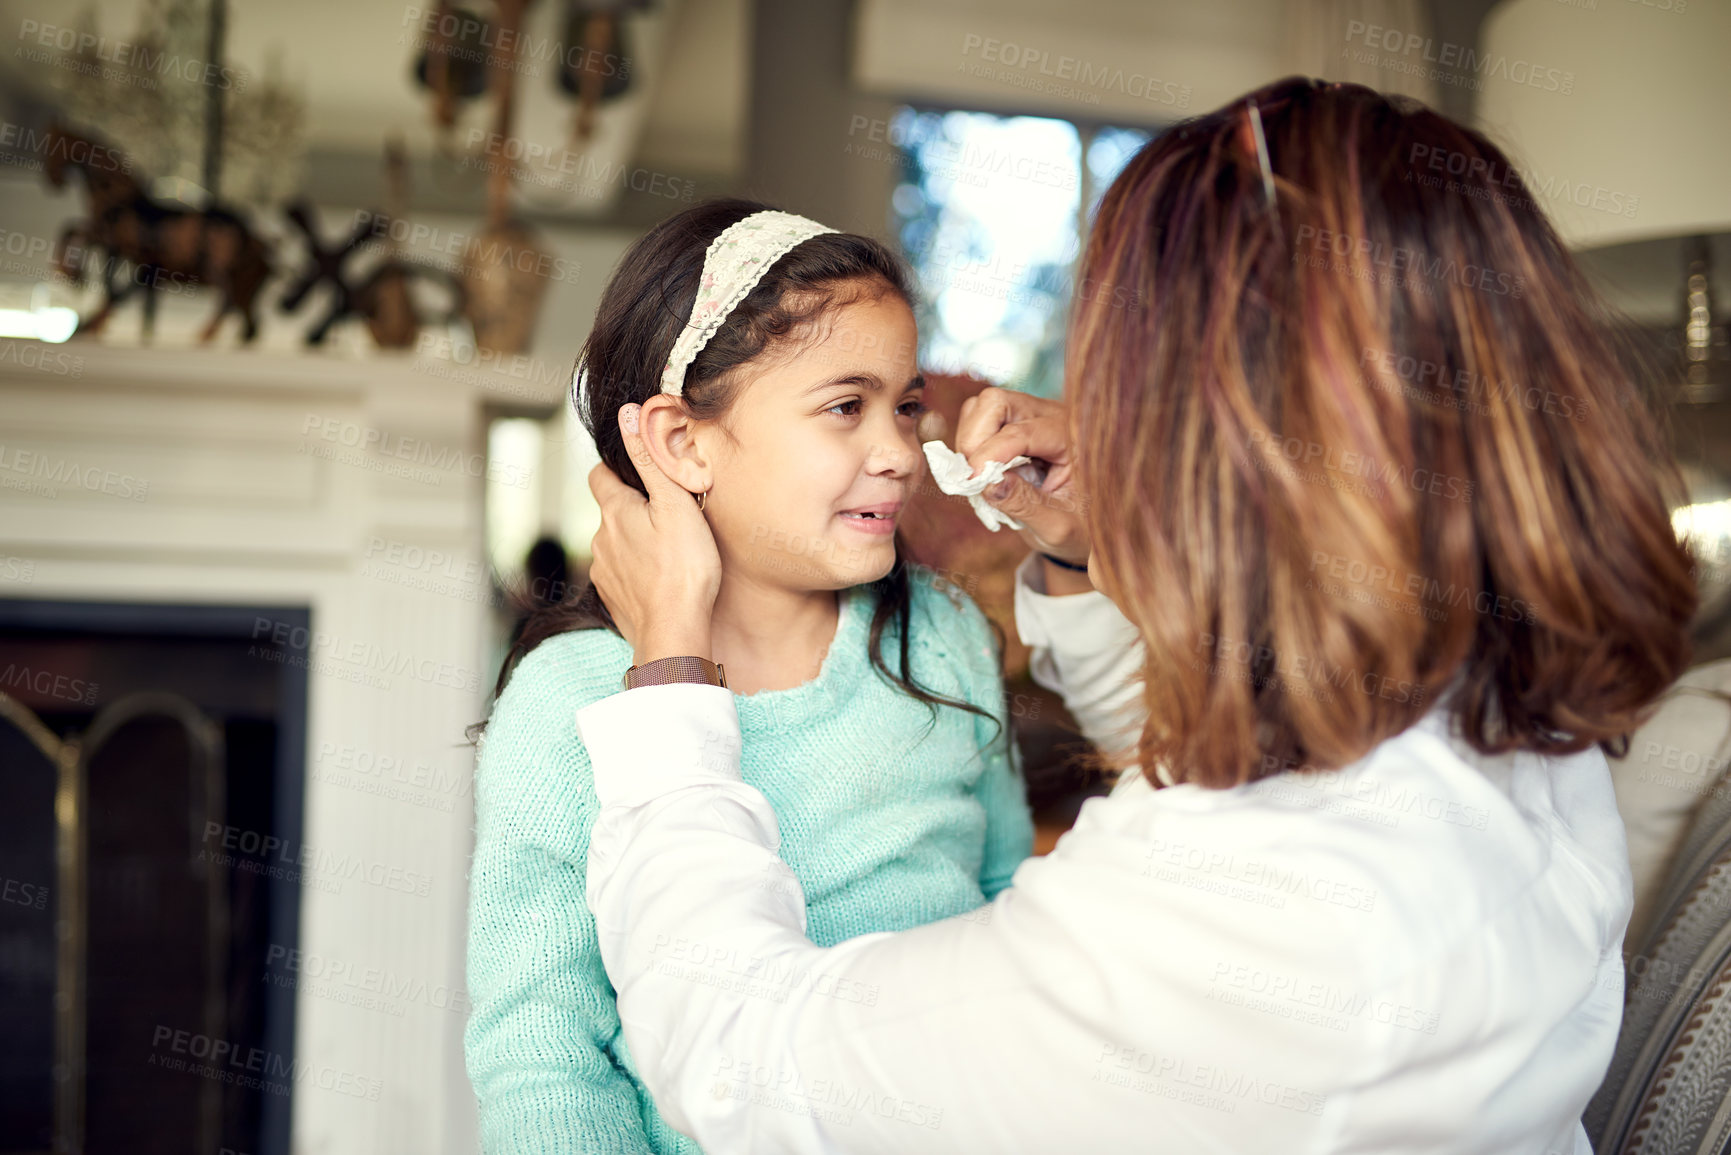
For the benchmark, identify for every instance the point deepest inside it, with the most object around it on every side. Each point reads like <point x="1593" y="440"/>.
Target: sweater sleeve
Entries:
<point x="1000" y="788"/>
<point x="1009" y="824"/>
<point x="543" y="1009"/>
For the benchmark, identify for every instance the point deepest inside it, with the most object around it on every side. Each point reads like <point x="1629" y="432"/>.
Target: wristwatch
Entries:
<point x="667" y="671"/>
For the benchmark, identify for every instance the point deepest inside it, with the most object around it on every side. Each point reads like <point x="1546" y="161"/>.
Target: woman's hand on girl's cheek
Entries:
<point x="656" y="566"/>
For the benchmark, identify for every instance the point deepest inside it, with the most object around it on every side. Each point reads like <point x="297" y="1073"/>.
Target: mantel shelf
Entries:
<point x="520" y="384"/>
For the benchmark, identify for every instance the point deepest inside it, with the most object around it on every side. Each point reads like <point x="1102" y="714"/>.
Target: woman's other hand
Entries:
<point x="998" y="424"/>
<point x="656" y="566"/>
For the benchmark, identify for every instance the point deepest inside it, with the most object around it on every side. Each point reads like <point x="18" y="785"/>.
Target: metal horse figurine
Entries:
<point x="166" y="246"/>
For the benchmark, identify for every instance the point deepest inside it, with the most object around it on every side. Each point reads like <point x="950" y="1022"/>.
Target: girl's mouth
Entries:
<point x="877" y="520"/>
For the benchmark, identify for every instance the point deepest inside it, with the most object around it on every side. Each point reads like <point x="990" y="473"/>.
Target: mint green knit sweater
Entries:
<point x="889" y="821"/>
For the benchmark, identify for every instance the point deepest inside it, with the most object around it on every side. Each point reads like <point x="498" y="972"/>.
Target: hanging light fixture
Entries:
<point x="452" y="64"/>
<point x="596" y="66"/>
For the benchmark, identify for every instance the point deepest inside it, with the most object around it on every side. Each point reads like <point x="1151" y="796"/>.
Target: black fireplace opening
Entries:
<point x="150" y="758"/>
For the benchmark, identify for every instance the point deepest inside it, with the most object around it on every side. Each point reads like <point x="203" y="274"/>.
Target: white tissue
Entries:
<point x="950" y="470"/>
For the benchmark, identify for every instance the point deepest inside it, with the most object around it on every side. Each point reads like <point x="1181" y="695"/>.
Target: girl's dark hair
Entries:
<point x="642" y="311"/>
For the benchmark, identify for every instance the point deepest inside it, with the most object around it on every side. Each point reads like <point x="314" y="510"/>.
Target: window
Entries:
<point x="1108" y="152"/>
<point x="990" y="213"/>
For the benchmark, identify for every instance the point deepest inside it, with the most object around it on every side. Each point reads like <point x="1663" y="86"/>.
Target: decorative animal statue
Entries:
<point x="162" y="246"/>
<point x="382" y="298"/>
<point x="327" y="268"/>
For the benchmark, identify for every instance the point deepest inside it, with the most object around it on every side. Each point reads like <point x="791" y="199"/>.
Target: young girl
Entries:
<point x="773" y="361"/>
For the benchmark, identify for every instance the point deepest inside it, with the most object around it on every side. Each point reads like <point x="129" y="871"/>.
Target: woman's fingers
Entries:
<point x="982" y="416"/>
<point x="998" y="424"/>
<point x="664" y="492"/>
<point x="655" y="561"/>
<point x="1016" y="497"/>
<point x="618" y="503"/>
<point x="1009" y="442"/>
<point x="609" y="491"/>
<point x="1051" y="521"/>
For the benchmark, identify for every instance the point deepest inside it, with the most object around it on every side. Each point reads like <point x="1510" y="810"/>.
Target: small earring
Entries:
<point x="702" y="500"/>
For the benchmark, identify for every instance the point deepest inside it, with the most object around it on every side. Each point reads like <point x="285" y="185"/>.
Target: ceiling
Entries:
<point x="353" y="64"/>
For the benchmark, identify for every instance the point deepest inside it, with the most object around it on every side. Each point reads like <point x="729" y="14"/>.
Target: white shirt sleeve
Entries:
<point x="993" y="1031"/>
<point x="1088" y="653"/>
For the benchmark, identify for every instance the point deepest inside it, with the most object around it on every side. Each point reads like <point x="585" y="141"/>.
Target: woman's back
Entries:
<point x="1418" y="952"/>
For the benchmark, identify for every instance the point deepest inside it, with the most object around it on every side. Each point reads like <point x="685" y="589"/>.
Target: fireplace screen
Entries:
<point x="142" y="751"/>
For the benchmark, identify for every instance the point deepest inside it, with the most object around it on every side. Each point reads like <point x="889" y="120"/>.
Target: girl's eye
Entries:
<point x="854" y="406"/>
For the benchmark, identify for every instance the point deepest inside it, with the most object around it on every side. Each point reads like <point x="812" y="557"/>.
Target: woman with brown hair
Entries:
<point x="1378" y="528"/>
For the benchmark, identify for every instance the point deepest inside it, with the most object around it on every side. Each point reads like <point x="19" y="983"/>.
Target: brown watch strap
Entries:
<point x="668" y="671"/>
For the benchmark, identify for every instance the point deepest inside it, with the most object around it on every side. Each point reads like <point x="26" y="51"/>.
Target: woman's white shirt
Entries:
<point x="1418" y="953"/>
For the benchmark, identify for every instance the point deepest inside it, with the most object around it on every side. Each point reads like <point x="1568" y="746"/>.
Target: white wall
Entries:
<point x="240" y="508"/>
<point x="1143" y="62"/>
<point x="1644" y="120"/>
<point x="239" y="511"/>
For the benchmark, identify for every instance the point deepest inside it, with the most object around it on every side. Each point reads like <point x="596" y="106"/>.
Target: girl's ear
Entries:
<point x="667" y="431"/>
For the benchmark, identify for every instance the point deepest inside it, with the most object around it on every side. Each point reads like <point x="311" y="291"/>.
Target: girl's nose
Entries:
<point x="893" y="457"/>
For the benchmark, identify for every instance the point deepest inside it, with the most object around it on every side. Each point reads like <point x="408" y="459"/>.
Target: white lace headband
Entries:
<point x="733" y="265"/>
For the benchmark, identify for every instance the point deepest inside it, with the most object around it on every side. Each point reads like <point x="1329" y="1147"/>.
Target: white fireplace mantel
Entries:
<point x="353" y="488"/>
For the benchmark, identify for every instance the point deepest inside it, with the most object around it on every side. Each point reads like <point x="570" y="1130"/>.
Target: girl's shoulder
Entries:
<point x="531" y="769"/>
<point x="565" y="672"/>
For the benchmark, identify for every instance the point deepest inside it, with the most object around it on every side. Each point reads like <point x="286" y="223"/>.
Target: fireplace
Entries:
<point x="199" y="594"/>
<point x="138" y="739"/>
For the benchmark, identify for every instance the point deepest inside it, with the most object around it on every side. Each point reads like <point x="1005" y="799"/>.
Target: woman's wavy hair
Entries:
<point x="1356" y="435"/>
<point x="642" y="311"/>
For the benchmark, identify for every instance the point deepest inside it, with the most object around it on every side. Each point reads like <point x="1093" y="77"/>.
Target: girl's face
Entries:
<point x="814" y="463"/>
